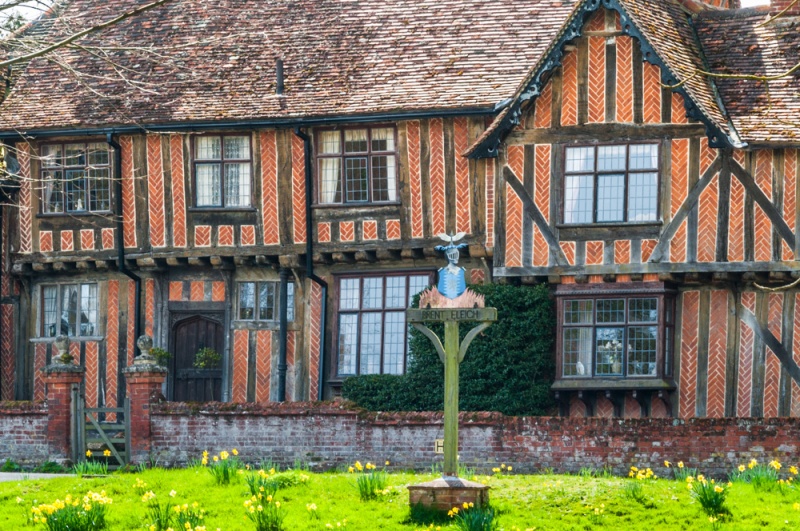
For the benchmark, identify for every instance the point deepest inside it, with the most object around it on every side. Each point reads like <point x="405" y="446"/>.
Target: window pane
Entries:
<point x="330" y="181"/>
<point x="207" y="148"/>
<point x="330" y="142"/>
<point x="76" y="190"/>
<point x="610" y="197"/>
<point x="69" y="310"/>
<point x="237" y="184"/>
<point x="611" y="311"/>
<point x="98" y="154"/>
<point x="208" y="185"/>
<point x="580" y="159"/>
<point x="52" y="195"/>
<point x="99" y="189"/>
<point x="642" y="196"/>
<point x="88" y="309"/>
<point x="643" y="310"/>
<point x="355" y="176"/>
<point x="577" y="352"/>
<point x="609" y="343"/>
<point x="349" y="294"/>
<point x="394" y="342"/>
<point x="266" y="301"/>
<point x="348" y="343"/>
<point x="642" y="341"/>
<point x="611" y="158"/>
<point x="50" y="313"/>
<point x="373" y="293"/>
<point x="644" y="157"/>
<point x="578" y="312"/>
<point x="384" y="183"/>
<point x="417" y="283"/>
<point x="668" y="348"/>
<point x="371" y="343"/>
<point x="355" y="140"/>
<point x="51" y="156"/>
<point x="578" y="198"/>
<point x="383" y="139"/>
<point x="247" y="300"/>
<point x="75" y="154"/>
<point x="395" y="292"/>
<point x="237" y="147"/>
<point x="290" y="301"/>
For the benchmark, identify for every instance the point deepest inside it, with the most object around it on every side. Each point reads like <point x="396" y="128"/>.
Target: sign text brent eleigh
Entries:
<point x="452" y="314"/>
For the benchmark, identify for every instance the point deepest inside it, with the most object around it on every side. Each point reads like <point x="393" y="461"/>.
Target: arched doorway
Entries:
<point x="189" y="384"/>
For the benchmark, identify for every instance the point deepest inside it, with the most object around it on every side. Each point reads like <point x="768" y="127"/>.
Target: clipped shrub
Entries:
<point x="509" y="368"/>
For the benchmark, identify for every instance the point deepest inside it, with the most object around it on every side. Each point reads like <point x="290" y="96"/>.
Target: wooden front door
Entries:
<point x="188" y="336"/>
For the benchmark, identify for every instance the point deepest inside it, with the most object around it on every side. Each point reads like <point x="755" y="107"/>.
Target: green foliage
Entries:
<point x="50" y="467"/>
<point x="225" y="467"/>
<point x="370" y="481"/>
<point x="90" y="468"/>
<point x="509" y="368"/>
<point x="207" y="358"/>
<point x="473" y="518"/>
<point x="265" y="512"/>
<point x="10" y="466"/>
<point x="74" y="514"/>
<point x="162" y="356"/>
<point x="710" y="495"/>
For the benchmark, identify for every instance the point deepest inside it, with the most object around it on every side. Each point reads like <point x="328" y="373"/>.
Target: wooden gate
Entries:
<point x="105" y="431"/>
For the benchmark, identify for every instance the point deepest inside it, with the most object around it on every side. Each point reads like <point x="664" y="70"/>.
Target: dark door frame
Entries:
<point x="211" y="311"/>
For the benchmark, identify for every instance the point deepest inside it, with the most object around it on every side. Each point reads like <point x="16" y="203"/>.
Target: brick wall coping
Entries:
<point x="11" y="408"/>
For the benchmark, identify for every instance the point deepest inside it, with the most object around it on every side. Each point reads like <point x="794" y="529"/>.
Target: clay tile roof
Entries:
<point x="737" y="43"/>
<point x="213" y="61"/>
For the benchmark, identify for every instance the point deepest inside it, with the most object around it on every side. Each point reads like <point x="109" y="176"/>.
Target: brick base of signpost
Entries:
<point x="442" y="494"/>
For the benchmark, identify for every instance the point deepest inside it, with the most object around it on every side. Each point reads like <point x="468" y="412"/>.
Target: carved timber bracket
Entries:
<point x="532" y="211"/>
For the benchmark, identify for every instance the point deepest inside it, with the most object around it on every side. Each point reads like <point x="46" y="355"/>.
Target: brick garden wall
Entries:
<point x="327" y="436"/>
<point x="23" y="433"/>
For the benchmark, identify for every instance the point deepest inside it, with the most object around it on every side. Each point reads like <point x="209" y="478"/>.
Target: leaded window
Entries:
<point x="75" y="177"/>
<point x="222" y="170"/>
<point x="357" y="165"/>
<point x="611" y="183"/>
<point x="69" y="309"/>
<point x="371" y="322"/>
<point x="260" y="301"/>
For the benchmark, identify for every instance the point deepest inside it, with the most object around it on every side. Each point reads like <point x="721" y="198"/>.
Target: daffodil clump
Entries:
<point x="74" y="514"/>
<point x="265" y="512"/>
<point x="371" y="482"/>
<point x="641" y="474"/>
<point x="469" y="517"/>
<point x="162" y="516"/>
<point x="764" y="476"/>
<point x="268" y="482"/>
<point x="502" y="469"/>
<point x="139" y="487"/>
<point x="224" y="467"/>
<point x="336" y="525"/>
<point x="597" y="514"/>
<point x="679" y="471"/>
<point x="709" y="494"/>
<point x="158" y="514"/>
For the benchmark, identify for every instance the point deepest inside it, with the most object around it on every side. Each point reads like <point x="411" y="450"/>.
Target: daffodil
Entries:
<point x="88" y="453"/>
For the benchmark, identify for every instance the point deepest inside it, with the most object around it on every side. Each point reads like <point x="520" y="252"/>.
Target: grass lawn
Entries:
<point x="553" y="502"/>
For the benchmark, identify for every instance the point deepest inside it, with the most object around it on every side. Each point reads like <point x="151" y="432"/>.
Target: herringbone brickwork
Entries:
<point x="315" y="338"/>
<point x="263" y="364"/>
<point x="7" y="358"/>
<point x="796" y="353"/>
<point x="269" y="187"/>
<point x="369" y="229"/>
<point x="772" y="376"/>
<point x="155" y="191"/>
<point x="489" y="202"/>
<point x="542" y="179"/>
<point x="241" y="347"/>
<point x="622" y="252"/>
<point x="218" y="291"/>
<point x="197" y="291"/>
<point x="569" y="90"/>
<point x="717" y="345"/>
<point x="543" y="113"/>
<point x="597" y="79"/>
<point x="632" y="408"/>
<point x="736" y="223"/>
<point x="91" y="380"/>
<point x="247" y="235"/>
<point x="25" y="200"/>
<point x="577" y="408"/>
<point x="112" y="346"/>
<point x="39" y="362"/>
<point x="298" y="190"/>
<point x="150" y="307"/>
<point x="175" y="291"/>
<point x="568" y="249"/>
<point x="107" y="239"/>
<point x="688" y="353"/>
<point x="178" y="191"/>
<point x="225" y="236"/>
<point x="707" y="223"/>
<point x="347" y="231"/>
<point x="128" y="192"/>
<point x="763" y="227"/>
<point x="393" y="229"/>
<point x="540" y="250"/>
<point x="707" y="155"/>
<point x="594" y="252"/>
<point x="477" y="276"/>
<point x="647" y="249"/>
<point x="67" y="241"/>
<point x="324" y="232"/>
<point x="603" y="408"/>
<point x="651" y="97"/>
<point x="680" y="189"/>
<point x="46" y="241"/>
<point x="87" y="239"/>
<point x="597" y="22"/>
<point x="789" y="198"/>
<point x="658" y="409"/>
<point x="415" y="179"/>
<point x="678" y="110"/>
<point x="516" y="162"/>
<point x="746" y="341"/>
<point x="624" y="79"/>
<point x="463" y="193"/>
<point x="291" y="342"/>
<point x="437" y="180"/>
<point x="202" y="236"/>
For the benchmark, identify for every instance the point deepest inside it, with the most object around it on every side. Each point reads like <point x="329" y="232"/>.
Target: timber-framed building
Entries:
<point x="267" y="179"/>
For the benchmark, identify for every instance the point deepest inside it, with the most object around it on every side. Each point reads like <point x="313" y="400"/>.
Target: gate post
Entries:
<point x="60" y="377"/>
<point x="144" y="379"/>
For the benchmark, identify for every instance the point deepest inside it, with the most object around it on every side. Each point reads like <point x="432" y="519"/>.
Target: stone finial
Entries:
<point x="145" y="344"/>
<point x="62" y="347"/>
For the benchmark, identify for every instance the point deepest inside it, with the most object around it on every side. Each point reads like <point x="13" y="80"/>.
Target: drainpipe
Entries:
<point x="284" y="332"/>
<point x="310" y="255"/>
<point x="121" y="266"/>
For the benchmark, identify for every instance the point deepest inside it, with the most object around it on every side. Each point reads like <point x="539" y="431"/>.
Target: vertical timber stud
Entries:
<point x="284" y="333"/>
